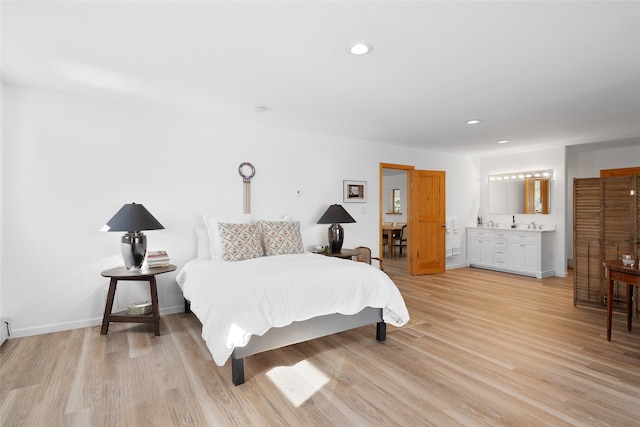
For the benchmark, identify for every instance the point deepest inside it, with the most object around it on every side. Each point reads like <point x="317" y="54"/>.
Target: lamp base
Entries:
<point x="336" y="237"/>
<point x="134" y="248"/>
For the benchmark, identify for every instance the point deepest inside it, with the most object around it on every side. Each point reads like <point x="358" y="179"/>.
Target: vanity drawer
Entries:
<point x="524" y="237"/>
<point x="481" y="234"/>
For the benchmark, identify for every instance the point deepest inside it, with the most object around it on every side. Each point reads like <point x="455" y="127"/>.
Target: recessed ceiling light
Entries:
<point x="473" y="122"/>
<point x="259" y="109"/>
<point x="503" y="141"/>
<point x="360" y="48"/>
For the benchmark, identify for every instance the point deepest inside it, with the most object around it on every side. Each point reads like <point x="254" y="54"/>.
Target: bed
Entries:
<point x="253" y="287"/>
<point x="268" y="302"/>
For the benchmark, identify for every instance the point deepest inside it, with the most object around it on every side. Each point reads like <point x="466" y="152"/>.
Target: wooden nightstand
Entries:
<point x="344" y="253"/>
<point x="148" y="275"/>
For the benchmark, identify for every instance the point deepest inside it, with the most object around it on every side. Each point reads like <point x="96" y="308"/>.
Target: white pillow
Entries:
<point x="279" y="218"/>
<point x="204" y="243"/>
<point x="212" y="221"/>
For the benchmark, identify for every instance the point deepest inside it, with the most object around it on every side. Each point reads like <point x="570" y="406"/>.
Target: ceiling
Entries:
<point x="535" y="73"/>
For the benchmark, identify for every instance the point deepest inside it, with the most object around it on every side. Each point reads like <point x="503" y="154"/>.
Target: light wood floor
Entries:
<point x="482" y="348"/>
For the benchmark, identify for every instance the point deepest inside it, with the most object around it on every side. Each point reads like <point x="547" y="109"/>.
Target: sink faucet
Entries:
<point x="532" y="225"/>
<point x="490" y="223"/>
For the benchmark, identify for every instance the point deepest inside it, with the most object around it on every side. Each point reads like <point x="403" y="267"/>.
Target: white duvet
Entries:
<point x="235" y="300"/>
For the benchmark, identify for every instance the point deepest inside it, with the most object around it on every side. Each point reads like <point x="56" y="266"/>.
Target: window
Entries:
<point x="395" y="200"/>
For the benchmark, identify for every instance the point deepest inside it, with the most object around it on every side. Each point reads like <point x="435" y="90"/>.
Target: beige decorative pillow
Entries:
<point x="212" y="221"/>
<point x="281" y="238"/>
<point x="240" y="241"/>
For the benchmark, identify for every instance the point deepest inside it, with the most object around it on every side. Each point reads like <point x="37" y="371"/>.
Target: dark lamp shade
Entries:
<point x="336" y="214"/>
<point x="133" y="217"/>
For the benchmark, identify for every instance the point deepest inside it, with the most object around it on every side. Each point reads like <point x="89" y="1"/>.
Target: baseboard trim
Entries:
<point x="454" y="266"/>
<point x="77" y="324"/>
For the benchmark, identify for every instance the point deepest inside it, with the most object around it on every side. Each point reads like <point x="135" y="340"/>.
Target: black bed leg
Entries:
<point x="381" y="331"/>
<point x="187" y="306"/>
<point x="237" y="371"/>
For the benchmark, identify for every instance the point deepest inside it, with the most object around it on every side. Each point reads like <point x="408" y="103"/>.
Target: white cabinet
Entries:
<point x="480" y="246"/>
<point x="528" y="252"/>
<point x="524" y="251"/>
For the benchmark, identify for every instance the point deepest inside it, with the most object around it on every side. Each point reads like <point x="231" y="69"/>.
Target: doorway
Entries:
<point x="394" y="210"/>
<point x="420" y="212"/>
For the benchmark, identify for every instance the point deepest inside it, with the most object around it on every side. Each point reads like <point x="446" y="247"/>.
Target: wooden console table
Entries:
<point x="614" y="270"/>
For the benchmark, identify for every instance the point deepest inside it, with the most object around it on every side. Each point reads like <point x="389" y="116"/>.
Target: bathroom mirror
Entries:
<point x="536" y="195"/>
<point x="506" y="197"/>
<point x="526" y="195"/>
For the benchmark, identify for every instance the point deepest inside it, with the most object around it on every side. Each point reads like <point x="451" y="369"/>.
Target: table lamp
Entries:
<point x="133" y="218"/>
<point x="335" y="215"/>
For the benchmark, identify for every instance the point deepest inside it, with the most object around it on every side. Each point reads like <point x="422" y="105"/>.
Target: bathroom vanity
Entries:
<point x="529" y="252"/>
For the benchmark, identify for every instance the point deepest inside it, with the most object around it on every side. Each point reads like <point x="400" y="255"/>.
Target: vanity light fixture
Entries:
<point x="360" y="48"/>
<point x="544" y="173"/>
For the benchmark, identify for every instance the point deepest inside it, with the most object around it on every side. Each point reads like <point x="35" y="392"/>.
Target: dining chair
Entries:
<point x="401" y="241"/>
<point x="364" y="255"/>
<point x="385" y="239"/>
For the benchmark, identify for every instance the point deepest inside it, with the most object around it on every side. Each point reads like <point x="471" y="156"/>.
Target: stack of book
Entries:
<point x="157" y="259"/>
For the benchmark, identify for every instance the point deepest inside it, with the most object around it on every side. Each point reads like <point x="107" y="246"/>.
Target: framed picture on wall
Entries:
<point x="355" y="191"/>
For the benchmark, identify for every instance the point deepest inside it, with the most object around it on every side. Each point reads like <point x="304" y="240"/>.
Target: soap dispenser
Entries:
<point x="513" y="224"/>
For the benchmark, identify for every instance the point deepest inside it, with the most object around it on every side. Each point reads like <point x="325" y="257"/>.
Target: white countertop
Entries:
<point x="520" y="227"/>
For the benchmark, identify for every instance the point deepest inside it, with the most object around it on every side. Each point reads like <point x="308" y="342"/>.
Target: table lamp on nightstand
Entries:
<point x="133" y="218"/>
<point x="335" y="215"/>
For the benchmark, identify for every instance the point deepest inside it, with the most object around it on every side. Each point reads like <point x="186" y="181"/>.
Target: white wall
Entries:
<point x="69" y="163"/>
<point x="583" y="162"/>
<point x="547" y="158"/>
<point x="390" y="183"/>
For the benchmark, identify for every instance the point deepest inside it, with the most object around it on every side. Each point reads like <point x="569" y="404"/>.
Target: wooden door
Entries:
<point x="619" y="172"/>
<point x="427" y="222"/>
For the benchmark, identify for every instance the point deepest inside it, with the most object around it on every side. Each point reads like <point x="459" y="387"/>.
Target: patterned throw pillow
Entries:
<point x="212" y="221"/>
<point x="281" y="238"/>
<point x="240" y="241"/>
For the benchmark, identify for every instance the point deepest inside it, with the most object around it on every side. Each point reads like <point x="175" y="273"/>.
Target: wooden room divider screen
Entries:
<point x="606" y="224"/>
